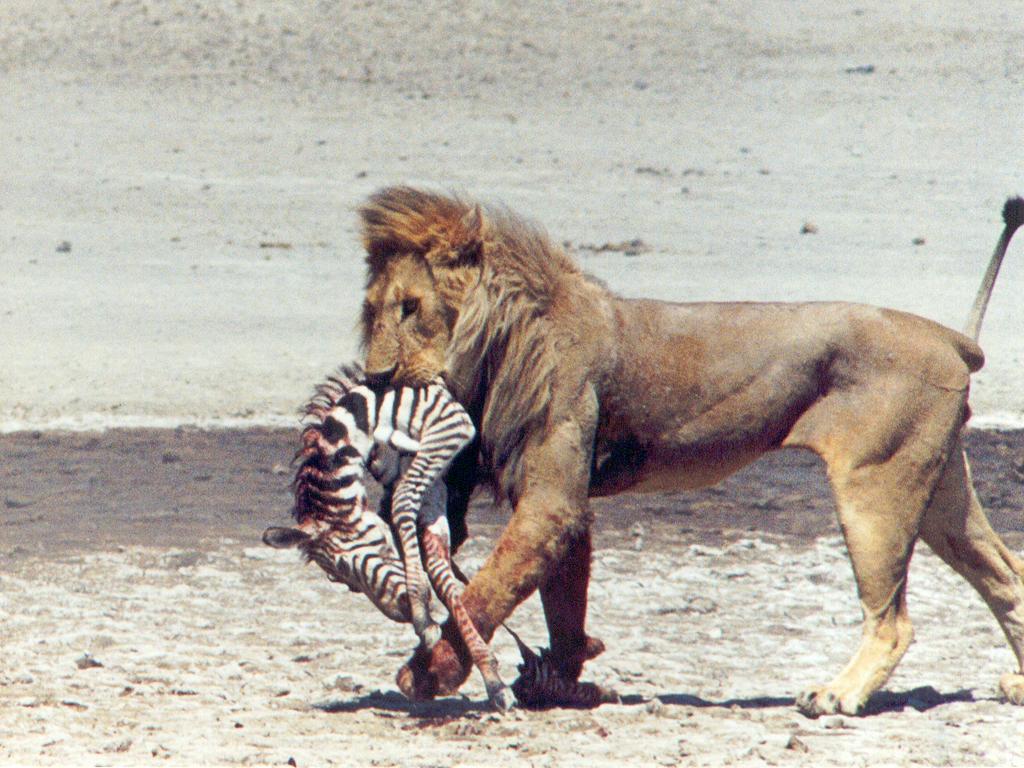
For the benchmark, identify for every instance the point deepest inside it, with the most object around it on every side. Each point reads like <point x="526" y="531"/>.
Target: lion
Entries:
<point x="577" y="392"/>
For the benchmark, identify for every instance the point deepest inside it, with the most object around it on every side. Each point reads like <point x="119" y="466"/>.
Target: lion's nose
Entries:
<point x="378" y="379"/>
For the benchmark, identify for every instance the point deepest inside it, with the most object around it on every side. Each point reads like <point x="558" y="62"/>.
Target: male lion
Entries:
<point x="577" y="392"/>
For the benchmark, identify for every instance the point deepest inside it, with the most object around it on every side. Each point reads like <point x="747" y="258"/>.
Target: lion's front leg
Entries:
<point x="564" y="595"/>
<point x="549" y="516"/>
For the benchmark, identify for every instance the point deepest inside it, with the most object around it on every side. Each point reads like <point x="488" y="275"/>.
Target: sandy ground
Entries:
<point x="179" y="179"/>
<point x="178" y="246"/>
<point x="143" y="623"/>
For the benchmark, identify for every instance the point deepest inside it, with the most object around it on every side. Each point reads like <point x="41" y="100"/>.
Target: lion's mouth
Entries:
<point x="379" y="379"/>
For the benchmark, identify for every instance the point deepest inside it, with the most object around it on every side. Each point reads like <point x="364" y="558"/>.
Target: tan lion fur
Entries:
<point x="576" y="391"/>
<point x="521" y="271"/>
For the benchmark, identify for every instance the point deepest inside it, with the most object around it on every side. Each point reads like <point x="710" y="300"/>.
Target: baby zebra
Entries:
<point x="353" y="427"/>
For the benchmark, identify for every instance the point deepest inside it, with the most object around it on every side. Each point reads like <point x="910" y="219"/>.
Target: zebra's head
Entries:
<point x="327" y="548"/>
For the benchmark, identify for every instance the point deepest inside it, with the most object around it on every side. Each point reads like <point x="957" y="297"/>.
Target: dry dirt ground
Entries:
<point x="144" y="623"/>
<point x="177" y="246"/>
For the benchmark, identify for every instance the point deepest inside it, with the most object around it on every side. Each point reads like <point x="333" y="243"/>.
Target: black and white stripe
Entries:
<point x="350" y="427"/>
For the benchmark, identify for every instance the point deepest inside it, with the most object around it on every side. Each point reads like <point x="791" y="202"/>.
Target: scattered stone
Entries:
<point x="794" y="744"/>
<point x="281" y="246"/>
<point x="12" y="502"/>
<point x="809" y="228"/>
<point x="170" y="457"/>
<point x="861" y="69"/>
<point x="118" y="746"/>
<point x="833" y="722"/>
<point x="343" y="683"/>
<point x="633" y="247"/>
<point x="650" y="170"/>
<point x="64" y="246"/>
<point x="178" y="560"/>
<point x="280" y="469"/>
<point x="700" y="606"/>
<point x="699" y="550"/>
<point x="86" y="661"/>
<point x="918" y="241"/>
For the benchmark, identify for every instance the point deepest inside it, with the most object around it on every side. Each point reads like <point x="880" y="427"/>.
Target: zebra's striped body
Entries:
<point x="353" y="428"/>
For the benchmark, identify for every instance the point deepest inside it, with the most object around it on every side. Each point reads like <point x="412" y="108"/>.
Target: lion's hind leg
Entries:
<point x="879" y="511"/>
<point x="956" y="528"/>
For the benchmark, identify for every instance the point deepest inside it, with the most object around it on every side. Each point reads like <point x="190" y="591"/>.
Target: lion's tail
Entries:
<point x="1013" y="217"/>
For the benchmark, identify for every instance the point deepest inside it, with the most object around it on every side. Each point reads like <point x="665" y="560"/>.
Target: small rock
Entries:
<point x="178" y="560"/>
<point x="860" y="69"/>
<point x="833" y="722"/>
<point x="794" y="744"/>
<point x="86" y="661"/>
<point x="341" y="683"/>
<point x="699" y="550"/>
<point x="64" y="247"/>
<point x="918" y="241"/>
<point x="170" y="457"/>
<point x="119" y="746"/>
<point x="809" y="228"/>
<point x="280" y="469"/>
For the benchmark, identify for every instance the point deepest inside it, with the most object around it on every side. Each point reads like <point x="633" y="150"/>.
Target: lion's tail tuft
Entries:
<point x="1013" y="212"/>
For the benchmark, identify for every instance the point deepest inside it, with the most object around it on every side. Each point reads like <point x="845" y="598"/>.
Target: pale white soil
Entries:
<point x="178" y="182"/>
<point x="240" y="655"/>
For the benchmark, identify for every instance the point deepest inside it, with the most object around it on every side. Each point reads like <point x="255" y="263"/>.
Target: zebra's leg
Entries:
<point x="438" y="554"/>
<point x="550" y="513"/>
<point x="416" y="585"/>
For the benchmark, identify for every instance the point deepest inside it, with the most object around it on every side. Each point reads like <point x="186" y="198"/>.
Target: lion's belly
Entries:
<point x="689" y="475"/>
<point x="625" y="466"/>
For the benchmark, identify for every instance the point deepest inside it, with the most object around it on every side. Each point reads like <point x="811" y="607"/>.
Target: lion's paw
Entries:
<point x="815" y="702"/>
<point x="1012" y="687"/>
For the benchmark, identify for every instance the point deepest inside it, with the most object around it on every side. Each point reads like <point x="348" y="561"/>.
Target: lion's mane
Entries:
<point x="499" y="274"/>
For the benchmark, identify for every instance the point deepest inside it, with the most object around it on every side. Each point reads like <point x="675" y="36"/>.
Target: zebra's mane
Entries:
<point x="327" y="394"/>
<point x="310" y="461"/>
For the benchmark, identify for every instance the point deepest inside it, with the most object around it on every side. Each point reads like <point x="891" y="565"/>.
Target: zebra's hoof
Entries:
<point x="502" y="699"/>
<point x="431" y="635"/>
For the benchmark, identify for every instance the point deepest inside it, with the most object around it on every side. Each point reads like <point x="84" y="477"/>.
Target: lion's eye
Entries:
<point x="410" y="307"/>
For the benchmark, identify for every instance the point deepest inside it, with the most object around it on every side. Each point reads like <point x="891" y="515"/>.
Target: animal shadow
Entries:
<point x="919" y="699"/>
<point x="393" y="701"/>
<point x="689" y="700"/>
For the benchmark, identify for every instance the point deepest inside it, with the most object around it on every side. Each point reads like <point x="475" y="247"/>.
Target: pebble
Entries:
<point x="86" y="661"/>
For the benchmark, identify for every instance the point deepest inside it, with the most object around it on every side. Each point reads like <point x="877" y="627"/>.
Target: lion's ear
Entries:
<point x="471" y="251"/>
<point x="465" y="242"/>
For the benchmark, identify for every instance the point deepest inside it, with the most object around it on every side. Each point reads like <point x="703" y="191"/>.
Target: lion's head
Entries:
<point x="464" y="290"/>
<point x="423" y="251"/>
